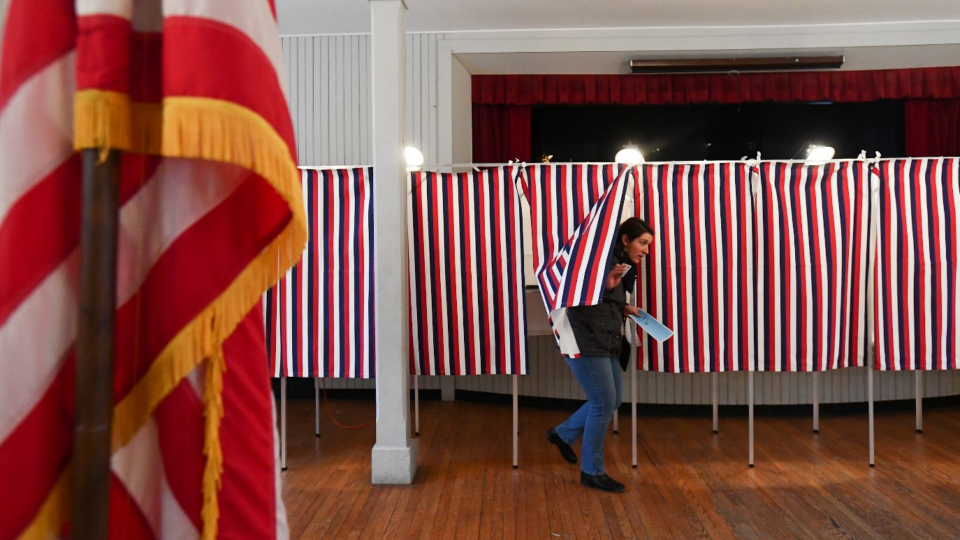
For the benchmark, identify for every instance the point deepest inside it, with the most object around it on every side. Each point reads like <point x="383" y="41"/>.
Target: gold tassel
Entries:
<point x="212" y="414"/>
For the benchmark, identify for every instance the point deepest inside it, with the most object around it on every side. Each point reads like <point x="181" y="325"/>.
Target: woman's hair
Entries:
<point x="633" y="227"/>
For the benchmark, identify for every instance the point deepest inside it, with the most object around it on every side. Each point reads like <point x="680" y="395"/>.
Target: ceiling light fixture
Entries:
<point x="629" y="155"/>
<point x="413" y="157"/>
<point x="819" y="153"/>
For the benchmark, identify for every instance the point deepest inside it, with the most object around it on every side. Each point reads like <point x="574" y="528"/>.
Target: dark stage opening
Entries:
<point x="717" y="132"/>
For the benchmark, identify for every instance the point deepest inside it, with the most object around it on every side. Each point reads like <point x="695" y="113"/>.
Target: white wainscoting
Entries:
<point x="549" y="377"/>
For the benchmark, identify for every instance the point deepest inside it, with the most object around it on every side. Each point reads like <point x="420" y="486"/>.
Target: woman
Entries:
<point x="597" y="330"/>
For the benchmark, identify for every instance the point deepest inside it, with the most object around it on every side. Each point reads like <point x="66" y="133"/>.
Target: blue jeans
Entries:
<point x="602" y="380"/>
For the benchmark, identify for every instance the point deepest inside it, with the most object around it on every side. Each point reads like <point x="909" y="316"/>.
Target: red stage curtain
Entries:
<point x="501" y="133"/>
<point x="844" y="86"/>
<point x="932" y="127"/>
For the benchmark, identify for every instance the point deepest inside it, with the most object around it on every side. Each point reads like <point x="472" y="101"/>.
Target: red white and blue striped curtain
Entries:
<point x="917" y="296"/>
<point x="320" y="318"/>
<point x="467" y="301"/>
<point x="560" y="197"/>
<point x="698" y="278"/>
<point x="813" y="227"/>
<point x="570" y="272"/>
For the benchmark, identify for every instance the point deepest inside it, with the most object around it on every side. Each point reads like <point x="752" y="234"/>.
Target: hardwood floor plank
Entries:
<point x="689" y="483"/>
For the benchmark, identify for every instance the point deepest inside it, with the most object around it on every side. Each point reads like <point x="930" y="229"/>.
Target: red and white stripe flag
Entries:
<point x="467" y="301"/>
<point x="574" y="273"/>
<point x="813" y="230"/>
<point x="320" y="317"/>
<point x="698" y="279"/>
<point x="211" y="215"/>
<point x="917" y="292"/>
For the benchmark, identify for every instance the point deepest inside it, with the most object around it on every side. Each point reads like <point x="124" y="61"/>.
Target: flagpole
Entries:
<point x="90" y="511"/>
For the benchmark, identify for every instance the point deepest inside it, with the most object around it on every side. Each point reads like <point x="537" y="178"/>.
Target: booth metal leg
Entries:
<point x="634" y="373"/>
<point x="516" y="426"/>
<point x="750" y="400"/>
<point x="870" y="407"/>
<point x="283" y="423"/>
<point x="316" y="399"/>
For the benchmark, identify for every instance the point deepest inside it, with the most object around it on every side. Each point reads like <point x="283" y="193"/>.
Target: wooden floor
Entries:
<point x="690" y="483"/>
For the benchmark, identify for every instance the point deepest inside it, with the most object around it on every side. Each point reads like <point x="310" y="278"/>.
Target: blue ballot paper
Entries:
<point x="651" y="326"/>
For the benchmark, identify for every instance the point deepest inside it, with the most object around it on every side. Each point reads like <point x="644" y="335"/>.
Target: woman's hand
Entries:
<point x="615" y="275"/>
<point x="631" y="310"/>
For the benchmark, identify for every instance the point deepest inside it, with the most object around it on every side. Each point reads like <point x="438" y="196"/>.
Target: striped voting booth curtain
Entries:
<point x="916" y="298"/>
<point x="467" y="302"/>
<point x="573" y="274"/>
<point x="320" y="318"/>
<point x="698" y="278"/>
<point x="560" y="197"/>
<point x="813" y="226"/>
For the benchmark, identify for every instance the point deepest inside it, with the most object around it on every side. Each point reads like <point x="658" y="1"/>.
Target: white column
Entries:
<point x="394" y="455"/>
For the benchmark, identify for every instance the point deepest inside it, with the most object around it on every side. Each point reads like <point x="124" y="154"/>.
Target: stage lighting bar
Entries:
<point x="726" y="65"/>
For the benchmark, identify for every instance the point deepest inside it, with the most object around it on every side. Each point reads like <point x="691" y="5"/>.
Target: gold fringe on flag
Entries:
<point x="213" y="469"/>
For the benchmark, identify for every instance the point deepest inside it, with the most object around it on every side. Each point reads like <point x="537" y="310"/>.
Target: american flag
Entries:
<point x="813" y="230"/>
<point x="917" y="293"/>
<point x="467" y="301"/>
<point x="320" y="316"/>
<point x="571" y="267"/>
<point x="211" y="215"/>
<point x="698" y="277"/>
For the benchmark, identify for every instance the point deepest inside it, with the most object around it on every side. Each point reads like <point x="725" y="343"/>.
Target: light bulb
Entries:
<point x="630" y="156"/>
<point x="820" y="153"/>
<point x="413" y="157"/>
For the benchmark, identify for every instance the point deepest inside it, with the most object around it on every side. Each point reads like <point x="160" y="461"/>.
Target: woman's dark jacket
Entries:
<point x="598" y="328"/>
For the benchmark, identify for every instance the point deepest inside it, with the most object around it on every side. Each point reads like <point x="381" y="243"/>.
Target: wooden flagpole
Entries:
<point x="90" y="497"/>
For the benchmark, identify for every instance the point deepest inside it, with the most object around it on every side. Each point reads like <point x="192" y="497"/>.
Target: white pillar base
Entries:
<point x="394" y="465"/>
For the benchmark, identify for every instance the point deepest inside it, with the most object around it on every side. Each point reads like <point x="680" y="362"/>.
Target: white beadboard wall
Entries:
<point x="329" y="80"/>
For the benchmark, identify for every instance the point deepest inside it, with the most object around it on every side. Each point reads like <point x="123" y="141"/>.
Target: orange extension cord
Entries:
<point x="326" y="405"/>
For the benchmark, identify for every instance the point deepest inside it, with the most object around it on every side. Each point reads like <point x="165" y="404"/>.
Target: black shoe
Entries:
<point x="565" y="450"/>
<point x="601" y="482"/>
